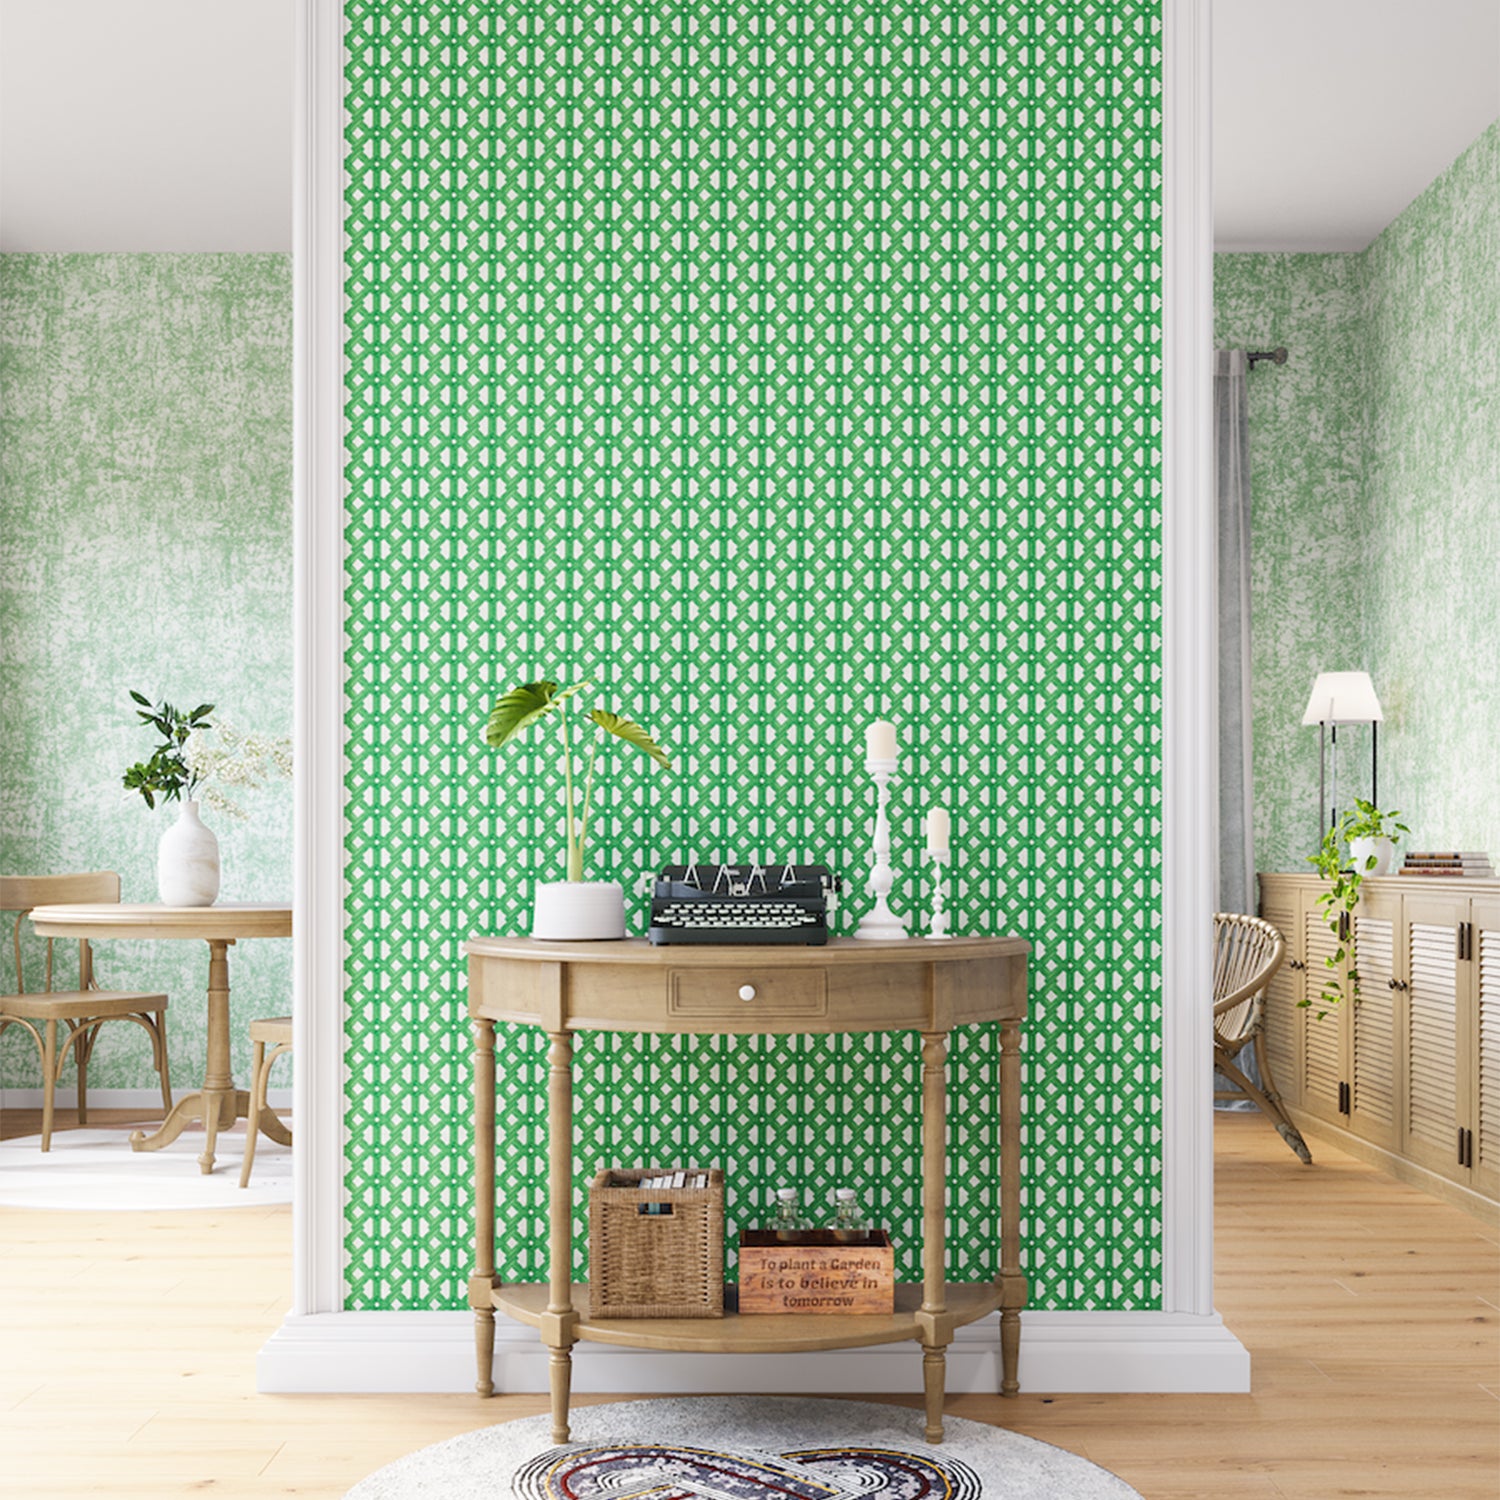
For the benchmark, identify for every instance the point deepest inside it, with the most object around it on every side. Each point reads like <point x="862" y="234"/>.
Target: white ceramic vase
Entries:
<point x="1360" y="851"/>
<point x="579" y="910"/>
<point x="187" y="861"/>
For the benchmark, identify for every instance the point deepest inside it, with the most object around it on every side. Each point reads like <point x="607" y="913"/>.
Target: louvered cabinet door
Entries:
<point x="1432" y="1120"/>
<point x="1371" y="1082"/>
<point x="1485" y="1035"/>
<point x="1278" y="905"/>
<point x="1323" y="1024"/>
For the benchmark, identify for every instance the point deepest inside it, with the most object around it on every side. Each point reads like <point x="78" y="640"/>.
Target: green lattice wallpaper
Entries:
<point x="786" y="368"/>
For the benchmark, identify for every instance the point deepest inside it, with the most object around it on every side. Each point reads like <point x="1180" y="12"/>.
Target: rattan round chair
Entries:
<point x="1247" y="952"/>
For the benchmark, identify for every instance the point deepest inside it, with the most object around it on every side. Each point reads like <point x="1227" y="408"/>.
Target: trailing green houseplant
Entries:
<point x="1355" y="832"/>
<point x="531" y="702"/>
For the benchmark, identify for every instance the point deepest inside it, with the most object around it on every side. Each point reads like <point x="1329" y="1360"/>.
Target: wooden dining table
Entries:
<point x="218" y="1104"/>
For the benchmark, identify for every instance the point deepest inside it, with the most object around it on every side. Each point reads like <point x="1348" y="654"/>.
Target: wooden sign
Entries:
<point x="817" y="1273"/>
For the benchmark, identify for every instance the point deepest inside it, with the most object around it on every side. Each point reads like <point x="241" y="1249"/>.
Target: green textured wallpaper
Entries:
<point x="1431" y="560"/>
<point x="1307" y="452"/>
<point x="785" y="369"/>
<point x="1375" y="471"/>
<point x="145" y="541"/>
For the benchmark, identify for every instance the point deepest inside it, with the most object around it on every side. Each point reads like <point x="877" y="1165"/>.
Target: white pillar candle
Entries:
<point x="880" y="740"/>
<point x="939" y="826"/>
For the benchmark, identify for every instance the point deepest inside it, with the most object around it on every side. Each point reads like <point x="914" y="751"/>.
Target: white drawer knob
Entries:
<point x="747" y="992"/>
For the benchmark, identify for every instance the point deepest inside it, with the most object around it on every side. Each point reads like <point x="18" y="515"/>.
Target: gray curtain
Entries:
<point x="1236" y="890"/>
<point x="1236" y="886"/>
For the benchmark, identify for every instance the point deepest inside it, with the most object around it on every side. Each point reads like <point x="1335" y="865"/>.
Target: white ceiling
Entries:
<point x="138" y="125"/>
<point x="1330" y="116"/>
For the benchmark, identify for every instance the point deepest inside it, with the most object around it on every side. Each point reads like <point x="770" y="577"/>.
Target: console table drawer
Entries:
<point x="746" y="993"/>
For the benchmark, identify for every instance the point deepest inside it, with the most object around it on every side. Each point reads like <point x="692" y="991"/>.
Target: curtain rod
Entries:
<point x="1276" y="356"/>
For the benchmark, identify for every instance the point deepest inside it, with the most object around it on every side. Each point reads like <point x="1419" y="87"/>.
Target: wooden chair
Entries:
<point x="84" y="1010"/>
<point x="275" y="1032"/>
<point x="1247" y="952"/>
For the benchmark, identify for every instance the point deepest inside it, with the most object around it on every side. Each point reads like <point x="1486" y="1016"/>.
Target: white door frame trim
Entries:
<point x="326" y="1344"/>
<point x="318" y="1194"/>
<point x="1189" y="669"/>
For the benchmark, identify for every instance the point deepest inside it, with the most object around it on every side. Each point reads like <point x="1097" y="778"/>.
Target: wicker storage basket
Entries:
<point x="667" y="1264"/>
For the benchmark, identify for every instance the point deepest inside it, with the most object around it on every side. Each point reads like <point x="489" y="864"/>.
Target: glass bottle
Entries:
<point x="849" y="1223"/>
<point x="787" y="1218"/>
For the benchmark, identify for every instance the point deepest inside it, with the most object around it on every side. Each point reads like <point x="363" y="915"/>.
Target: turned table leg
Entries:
<point x="219" y="1093"/>
<point x="560" y="1380"/>
<point x="481" y="1284"/>
<point x="934" y="1369"/>
<point x="559" y="1331"/>
<point x="934" y="1219"/>
<point x="1012" y="1281"/>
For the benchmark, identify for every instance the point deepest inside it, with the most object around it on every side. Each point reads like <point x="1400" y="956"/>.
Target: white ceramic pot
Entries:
<point x="1360" y="851"/>
<point x="579" y="910"/>
<point x="187" y="861"/>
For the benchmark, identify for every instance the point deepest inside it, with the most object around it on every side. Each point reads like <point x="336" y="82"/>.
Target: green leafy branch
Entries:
<point x="167" y="773"/>
<point x="524" y="706"/>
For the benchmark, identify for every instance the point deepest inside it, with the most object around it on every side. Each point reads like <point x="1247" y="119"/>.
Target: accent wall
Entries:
<point x="779" y="370"/>
<point x="145" y="542"/>
<point x="1375" y="477"/>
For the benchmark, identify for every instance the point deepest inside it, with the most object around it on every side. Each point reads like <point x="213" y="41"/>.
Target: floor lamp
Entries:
<point x="1342" y="698"/>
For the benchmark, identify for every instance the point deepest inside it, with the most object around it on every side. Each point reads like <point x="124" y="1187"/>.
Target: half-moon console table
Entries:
<point x="847" y="986"/>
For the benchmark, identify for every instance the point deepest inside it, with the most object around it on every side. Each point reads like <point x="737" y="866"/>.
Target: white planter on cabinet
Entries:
<point x="1360" y="851"/>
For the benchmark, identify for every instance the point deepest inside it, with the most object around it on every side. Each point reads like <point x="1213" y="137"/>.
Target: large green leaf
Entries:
<point x="632" y="734"/>
<point x="523" y="706"/>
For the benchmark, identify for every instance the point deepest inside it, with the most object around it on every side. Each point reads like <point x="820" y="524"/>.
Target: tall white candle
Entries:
<point x="939" y="826"/>
<point x="880" y="740"/>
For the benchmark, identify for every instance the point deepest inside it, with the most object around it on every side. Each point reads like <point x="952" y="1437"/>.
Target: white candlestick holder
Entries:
<point x="939" y="925"/>
<point x="880" y="923"/>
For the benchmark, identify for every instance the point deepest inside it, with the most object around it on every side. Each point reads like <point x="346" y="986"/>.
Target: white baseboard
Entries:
<point x="148" y="1100"/>
<point x="1060" y="1352"/>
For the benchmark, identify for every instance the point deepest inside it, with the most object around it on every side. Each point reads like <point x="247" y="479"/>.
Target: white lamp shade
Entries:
<point x="1343" y="698"/>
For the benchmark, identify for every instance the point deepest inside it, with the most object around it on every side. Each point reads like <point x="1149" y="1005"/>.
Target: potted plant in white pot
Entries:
<point x="1371" y="837"/>
<point x="187" y="858"/>
<point x="574" y="908"/>
<point x="194" y="762"/>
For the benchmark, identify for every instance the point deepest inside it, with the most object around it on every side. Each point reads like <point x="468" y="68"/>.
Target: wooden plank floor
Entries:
<point x="128" y="1341"/>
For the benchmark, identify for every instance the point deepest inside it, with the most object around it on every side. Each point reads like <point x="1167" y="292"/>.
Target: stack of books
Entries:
<point x="1426" y="862"/>
<point x="670" y="1180"/>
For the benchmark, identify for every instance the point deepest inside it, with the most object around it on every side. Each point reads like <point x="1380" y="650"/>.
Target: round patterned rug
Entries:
<point x="742" y="1448"/>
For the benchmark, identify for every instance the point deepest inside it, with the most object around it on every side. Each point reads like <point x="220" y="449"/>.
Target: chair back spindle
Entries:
<point x="21" y="893"/>
<point x="63" y="1023"/>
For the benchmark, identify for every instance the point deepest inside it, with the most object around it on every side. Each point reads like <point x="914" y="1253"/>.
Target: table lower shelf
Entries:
<point x="757" y="1333"/>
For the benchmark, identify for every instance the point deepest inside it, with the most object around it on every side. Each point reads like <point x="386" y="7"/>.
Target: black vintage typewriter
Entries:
<point x="710" y="903"/>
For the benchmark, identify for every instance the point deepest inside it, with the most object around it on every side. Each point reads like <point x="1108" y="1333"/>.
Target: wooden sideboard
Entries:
<point x="847" y="986"/>
<point x="1409" y="1074"/>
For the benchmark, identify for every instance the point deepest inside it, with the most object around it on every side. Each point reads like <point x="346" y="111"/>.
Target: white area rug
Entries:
<point x="96" y="1169"/>
<point x="741" y="1448"/>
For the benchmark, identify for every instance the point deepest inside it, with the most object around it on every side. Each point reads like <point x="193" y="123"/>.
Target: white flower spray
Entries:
<point x="224" y="757"/>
